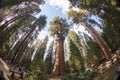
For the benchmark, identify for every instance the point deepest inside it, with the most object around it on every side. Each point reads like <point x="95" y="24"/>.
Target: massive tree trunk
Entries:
<point x="103" y="45"/>
<point x="59" y="66"/>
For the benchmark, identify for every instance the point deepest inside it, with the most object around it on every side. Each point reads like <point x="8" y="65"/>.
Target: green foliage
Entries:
<point x="109" y="14"/>
<point x="22" y="23"/>
<point x="38" y="64"/>
<point x="59" y="27"/>
<point x="85" y="52"/>
<point x="26" y="59"/>
<point x="76" y="61"/>
<point x="39" y="55"/>
<point x="8" y="3"/>
<point x="92" y="4"/>
<point x="38" y="74"/>
<point x="9" y="35"/>
<point x="75" y="38"/>
<point x="87" y="75"/>
<point x="93" y="50"/>
<point x="74" y="15"/>
<point x="111" y="28"/>
<point x="48" y="60"/>
<point x="40" y="22"/>
<point x="25" y="24"/>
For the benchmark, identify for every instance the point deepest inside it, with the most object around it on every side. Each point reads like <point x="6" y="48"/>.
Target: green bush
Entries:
<point x="36" y="76"/>
<point x="40" y="76"/>
<point x="87" y="75"/>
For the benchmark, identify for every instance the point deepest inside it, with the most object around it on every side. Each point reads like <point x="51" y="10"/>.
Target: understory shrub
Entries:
<point x="87" y="75"/>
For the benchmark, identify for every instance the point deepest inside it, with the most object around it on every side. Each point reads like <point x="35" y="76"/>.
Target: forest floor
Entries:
<point x="56" y="78"/>
<point x="111" y="74"/>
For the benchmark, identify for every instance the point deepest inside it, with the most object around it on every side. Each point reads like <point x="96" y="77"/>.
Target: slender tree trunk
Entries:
<point x="13" y="47"/>
<point x="59" y="66"/>
<point x="103" y="45"/>
<point x="22" y="49"/>
<point x="18" y="49"/>
<point x="2" y="27"/>
<point x="18" y="58"/>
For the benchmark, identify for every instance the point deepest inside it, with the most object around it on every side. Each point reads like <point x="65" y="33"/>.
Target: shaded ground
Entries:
<point x="55" y="78"/>
<point x="110" y="74"/>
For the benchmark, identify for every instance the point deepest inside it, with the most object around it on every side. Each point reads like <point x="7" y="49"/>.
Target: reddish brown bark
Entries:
<point x="103" y="45"/>
<point x="59" y="66"/>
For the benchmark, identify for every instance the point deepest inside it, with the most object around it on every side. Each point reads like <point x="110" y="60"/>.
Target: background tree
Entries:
<point x="108" y="12"/>
<point x="49" y="59"/>
<point x="75" y="54"/>
<point x="79" y="18"/>
<point x="38" y="64"/>
<point x="21" y="29"/>
<point x="93" y="51"/>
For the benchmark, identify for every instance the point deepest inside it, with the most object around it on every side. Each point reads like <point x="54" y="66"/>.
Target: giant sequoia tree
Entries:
<point x="59" y="29"/>
<point x="79" y="18"/>
<point x="109" y="13"/>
